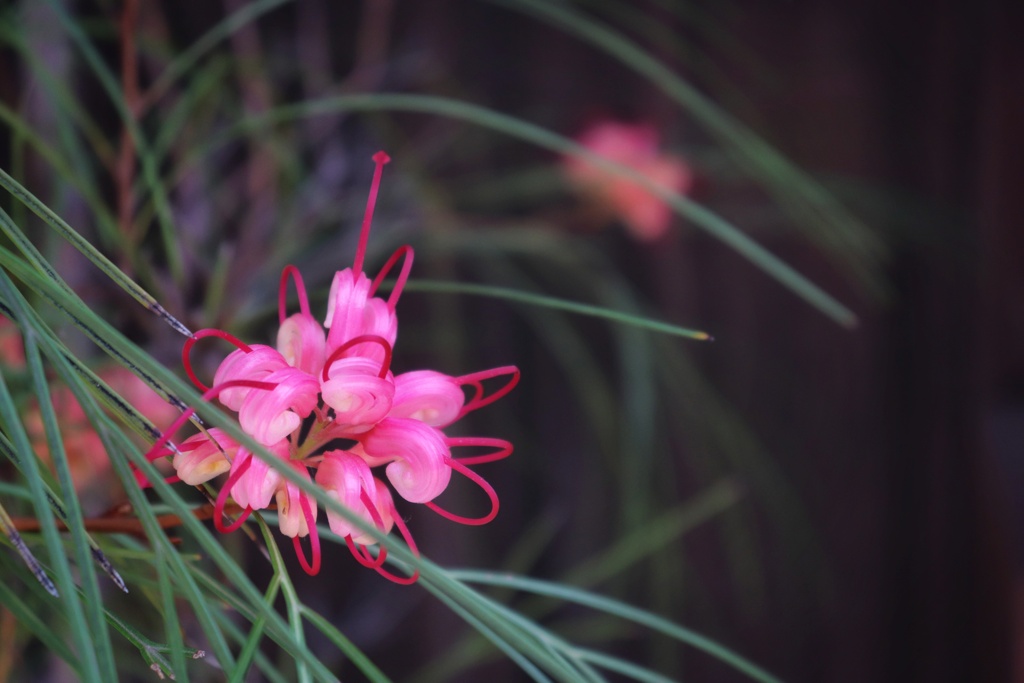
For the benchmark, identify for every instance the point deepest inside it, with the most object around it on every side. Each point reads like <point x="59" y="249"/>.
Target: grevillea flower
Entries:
<point x="331" y="382"/>
<point x="635" y="146"/>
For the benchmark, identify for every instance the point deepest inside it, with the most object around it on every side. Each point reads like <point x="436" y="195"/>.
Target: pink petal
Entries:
<point x="256" y="364"/>
<point x="257" y="486"/>
<point x="428" y="396"/>
<point x="302" y="342"/>
<point x="359" y="396"/>
<point x="351" y="313"/>
<point x="347" y="478"/>
<point x="270" y="416"/>
<point x="419" y="470"/>
<point x="290" y="517"/>
<point x="201" y="458"/>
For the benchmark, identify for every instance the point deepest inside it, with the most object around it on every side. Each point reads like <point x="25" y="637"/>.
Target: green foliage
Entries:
<point x="196" y="606"/>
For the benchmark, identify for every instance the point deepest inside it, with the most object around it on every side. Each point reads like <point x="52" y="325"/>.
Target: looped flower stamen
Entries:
<point x="407" y="537"/>
<point x="359" y="550"/>
<point x="222" y="499"/>
<point x="311" y="568"/>
<point x="476" y="380"/>
<point x="479" y="481"/>
<point x="282" y="296"/>
<point x="361" y="339"/>
<point x="403" y="275"/>
<point x="503" y="449"/>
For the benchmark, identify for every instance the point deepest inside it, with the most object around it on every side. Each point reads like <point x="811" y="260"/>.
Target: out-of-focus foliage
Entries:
<point x="161" y="162"/>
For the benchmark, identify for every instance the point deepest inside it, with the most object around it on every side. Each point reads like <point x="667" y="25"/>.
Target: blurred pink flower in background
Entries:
<point x="87" y="459"/>
<point x="11" y="350"/>
<point x="635" y="146"/>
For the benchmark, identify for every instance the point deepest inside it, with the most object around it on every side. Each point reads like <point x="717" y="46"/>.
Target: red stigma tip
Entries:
<point x="381" y="157"/>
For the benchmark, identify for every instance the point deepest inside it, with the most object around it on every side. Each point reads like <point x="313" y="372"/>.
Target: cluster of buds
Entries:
<point x="326" y="403"/>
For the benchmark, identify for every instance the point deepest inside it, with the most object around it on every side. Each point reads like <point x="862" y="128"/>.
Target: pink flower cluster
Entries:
<point x="325" y="401"/>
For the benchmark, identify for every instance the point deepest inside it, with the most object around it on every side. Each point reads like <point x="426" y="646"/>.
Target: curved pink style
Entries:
<point x="502" y="449"/>
<point x="292" y="272"/>
<point x="186" y="351"/>
<point x="405" y="252"/>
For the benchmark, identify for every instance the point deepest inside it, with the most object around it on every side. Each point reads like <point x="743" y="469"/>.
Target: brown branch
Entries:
<point x="121" y="524"/>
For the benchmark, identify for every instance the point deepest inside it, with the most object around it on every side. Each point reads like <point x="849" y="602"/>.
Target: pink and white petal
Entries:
<point x="201" y="458"/>
<point x="428" y="396"/>
<point x="270" y="416"/>
<point x="385" y="508"/>
<point x="419" y="469"/>
<point x="256" y="364"/>
<point x="380" y="320"/>
<point x="371" y="460"/>
<point x="345" y="304"/>
<point x="345" y="477"/>
<point x="359" y="396"/>
<point x="351" y="313"/>
<point x="256" y="488"/>
<point x="302" y="342"/>
<point x="290" y="516"/>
